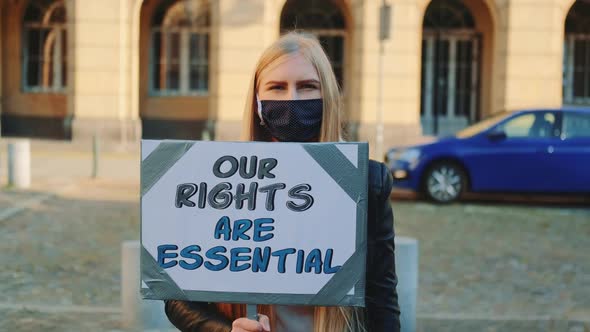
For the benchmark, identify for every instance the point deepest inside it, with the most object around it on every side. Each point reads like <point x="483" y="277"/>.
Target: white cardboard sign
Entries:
<point x="276" y="223"/>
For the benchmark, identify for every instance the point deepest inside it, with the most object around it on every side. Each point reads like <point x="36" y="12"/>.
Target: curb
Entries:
<point x="15" y="210"/>
<point x="48" y="308"/>
<point x="460" y="323"/>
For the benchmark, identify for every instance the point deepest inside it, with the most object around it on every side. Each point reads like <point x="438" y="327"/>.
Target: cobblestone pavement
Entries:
<point x="66" y="249"/>
<point x="476" y="260"/>
<point x="35" y="320"/>
<point x="515" y="260"/>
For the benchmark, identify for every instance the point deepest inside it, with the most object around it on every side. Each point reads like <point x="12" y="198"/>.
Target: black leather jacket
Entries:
<point x="381" y="295"/>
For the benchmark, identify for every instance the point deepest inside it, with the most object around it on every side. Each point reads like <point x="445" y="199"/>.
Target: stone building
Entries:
<point x="123" y="69"/>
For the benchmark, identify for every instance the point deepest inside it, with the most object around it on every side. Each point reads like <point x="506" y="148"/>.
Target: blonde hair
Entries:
<point x="294" y="43"/>
<point x="333" y="319"/>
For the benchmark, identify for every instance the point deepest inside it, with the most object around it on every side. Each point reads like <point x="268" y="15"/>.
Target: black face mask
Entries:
<point x="292" y="120"/>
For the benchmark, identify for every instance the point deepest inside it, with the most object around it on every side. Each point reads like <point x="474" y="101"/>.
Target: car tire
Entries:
<point x="444" y="182"/>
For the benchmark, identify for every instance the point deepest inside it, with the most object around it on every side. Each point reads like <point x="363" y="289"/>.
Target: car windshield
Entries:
<point x="482" y="125"/>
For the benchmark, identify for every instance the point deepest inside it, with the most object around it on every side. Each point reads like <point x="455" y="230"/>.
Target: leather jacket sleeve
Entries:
<point x="196" y="317"/>
<point x="381" y="295"/>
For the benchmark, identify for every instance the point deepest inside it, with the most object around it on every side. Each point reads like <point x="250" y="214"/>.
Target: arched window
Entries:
<point x="450" y="68"/>
<point x="448" y="14"/>
<point x="45" y="47"/>
<point x="576" y="59"/>
<point x="324" y="19"/>
<point x="180" y="48"/>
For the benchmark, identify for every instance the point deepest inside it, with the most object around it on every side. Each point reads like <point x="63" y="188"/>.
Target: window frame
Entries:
<point x="577" y="25"/>
<point x="184" y="62"/>
<point x="299" y="15"/>
<point x="570" y="69"/>
<point x="58" y="59"/>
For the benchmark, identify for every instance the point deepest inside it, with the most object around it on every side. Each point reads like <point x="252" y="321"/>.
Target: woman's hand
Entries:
<point x="250" y="325"/>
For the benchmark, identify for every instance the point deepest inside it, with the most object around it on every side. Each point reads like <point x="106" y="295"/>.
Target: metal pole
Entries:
<point x="436" y="90"/>
<point x="379" y="138"/>
<point x="384" y="28"/>
<point x="95" y="156"/>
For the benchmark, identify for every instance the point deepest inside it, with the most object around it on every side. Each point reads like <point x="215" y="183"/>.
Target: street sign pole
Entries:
<point x="384" y="30"/>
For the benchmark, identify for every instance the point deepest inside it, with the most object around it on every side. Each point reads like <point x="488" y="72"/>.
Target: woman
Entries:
<point x="294" y="96"/>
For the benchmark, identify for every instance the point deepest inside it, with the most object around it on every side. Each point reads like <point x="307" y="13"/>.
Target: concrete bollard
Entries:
<point x="406" y="268"/>
<point x="136" y="312"/>
<point x="19" y="163"/>
<point x="130" y="298"/>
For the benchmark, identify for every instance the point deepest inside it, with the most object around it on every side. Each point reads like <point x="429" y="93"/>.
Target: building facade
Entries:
<point x="123" y="69"/>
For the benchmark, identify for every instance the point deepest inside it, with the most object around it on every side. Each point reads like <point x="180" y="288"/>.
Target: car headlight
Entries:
<point x="391" y="156"/>
<point x="409" y="155"/>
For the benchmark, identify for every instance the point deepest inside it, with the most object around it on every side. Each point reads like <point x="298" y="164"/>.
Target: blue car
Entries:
<point x="528" y="151"/>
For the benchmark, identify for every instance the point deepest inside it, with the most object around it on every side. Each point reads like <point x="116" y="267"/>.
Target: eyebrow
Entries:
<point x="298" y="82"/>
<point x="308" y="81"/>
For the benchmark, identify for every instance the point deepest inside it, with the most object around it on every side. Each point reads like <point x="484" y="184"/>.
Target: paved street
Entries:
<point x="500" y="260"/>
<point x="480" y="264"/>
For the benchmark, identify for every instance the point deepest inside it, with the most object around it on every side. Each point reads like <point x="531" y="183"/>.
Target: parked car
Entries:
<point x="528" y="151"/>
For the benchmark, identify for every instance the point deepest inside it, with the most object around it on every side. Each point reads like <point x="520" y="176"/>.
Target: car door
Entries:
<point x="571" y="169"/>
<point x="514" y="155"/>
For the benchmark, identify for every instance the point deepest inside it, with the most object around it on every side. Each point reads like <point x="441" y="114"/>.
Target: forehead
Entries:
<point x="292" y="67"/>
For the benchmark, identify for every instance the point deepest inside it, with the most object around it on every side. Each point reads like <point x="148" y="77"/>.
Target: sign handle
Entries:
<point x="252" y="311"/>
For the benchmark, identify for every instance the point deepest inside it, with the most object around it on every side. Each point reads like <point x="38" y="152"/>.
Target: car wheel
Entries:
<point x="444" y="182"/>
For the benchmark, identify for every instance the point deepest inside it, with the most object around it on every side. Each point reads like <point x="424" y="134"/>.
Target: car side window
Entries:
<point x="575" y="125"/>
<point x="531" y="125"/>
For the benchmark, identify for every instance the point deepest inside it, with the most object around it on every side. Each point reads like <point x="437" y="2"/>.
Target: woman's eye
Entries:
<point x="309" y="86"/>
<point x="276" y="87"/>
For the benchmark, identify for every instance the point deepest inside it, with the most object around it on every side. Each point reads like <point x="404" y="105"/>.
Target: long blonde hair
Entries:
<point x="288" y="45"/>
<point x="332" y="319"/>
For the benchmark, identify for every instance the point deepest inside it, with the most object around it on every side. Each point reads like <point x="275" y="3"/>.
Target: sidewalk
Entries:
<point x="55" y="164"/>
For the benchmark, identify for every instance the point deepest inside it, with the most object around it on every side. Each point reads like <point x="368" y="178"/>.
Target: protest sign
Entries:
<point x="254" y="222"/>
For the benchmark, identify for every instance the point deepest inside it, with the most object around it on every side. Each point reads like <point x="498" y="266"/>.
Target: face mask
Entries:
<point x="292" y="120"/>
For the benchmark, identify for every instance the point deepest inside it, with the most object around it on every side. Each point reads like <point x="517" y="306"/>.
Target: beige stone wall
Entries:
<point x="353" y="11"/>
<point x="532" y="49"/>
<point x="109" y="45"/>
<point x="97" y="87"/>
<point x="1" y="46"/>
<point x="133" y="29"/>
<point x="529" y="50"/>
<point x="401" y="74"/>
<point x="100" y="85"/>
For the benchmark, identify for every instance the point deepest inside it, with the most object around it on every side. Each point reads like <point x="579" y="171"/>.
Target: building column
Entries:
<point x="569" y="71"/>
<point x="429" y="78"/>
<point x="530" y="47"/>
<point x="243" y="30"/>
<point x="100" y="71"/>
<point x="474" y="79"/>
<point x="401" y="74"/>
<point x="1" y="59"/>
<point x="452" y="65"/>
